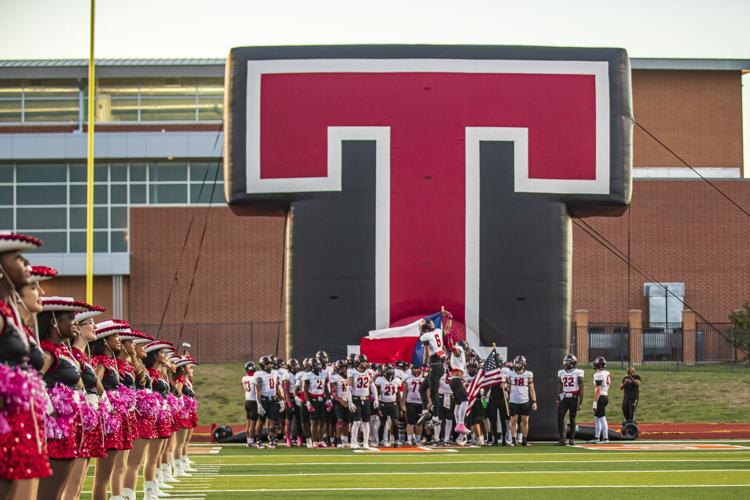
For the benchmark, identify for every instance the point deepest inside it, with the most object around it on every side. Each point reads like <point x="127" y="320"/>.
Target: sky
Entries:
<point x="44" y="29"/>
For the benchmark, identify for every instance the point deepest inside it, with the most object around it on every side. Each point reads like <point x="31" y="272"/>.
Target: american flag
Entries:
<point x="488" y="375"/>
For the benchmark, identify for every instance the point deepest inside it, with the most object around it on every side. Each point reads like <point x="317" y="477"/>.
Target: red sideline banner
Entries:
<point x="388" y="350"/>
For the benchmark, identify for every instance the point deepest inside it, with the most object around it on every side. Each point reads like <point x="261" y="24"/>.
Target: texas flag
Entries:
<point x="400" y="343"/>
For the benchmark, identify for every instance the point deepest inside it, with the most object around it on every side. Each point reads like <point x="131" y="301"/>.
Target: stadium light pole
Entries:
<point x="90" y="165"/>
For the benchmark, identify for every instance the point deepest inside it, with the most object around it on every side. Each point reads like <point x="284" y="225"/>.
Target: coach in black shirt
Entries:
<point x="631" y="385"/>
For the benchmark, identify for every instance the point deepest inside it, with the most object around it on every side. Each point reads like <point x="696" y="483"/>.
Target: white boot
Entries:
<point x="160" y="478"/>
<point x="169" y="475"/>
<point x="179" y="469"/>
<point x="128" y="494"/>
<point x="150" y="490"/>
<point x="188" y="465"/>
<point x="117" y="497"/>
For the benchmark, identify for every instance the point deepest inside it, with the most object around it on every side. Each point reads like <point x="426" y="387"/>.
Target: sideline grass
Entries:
<point x="684" y="395"/>
<point x="541" y="471"/>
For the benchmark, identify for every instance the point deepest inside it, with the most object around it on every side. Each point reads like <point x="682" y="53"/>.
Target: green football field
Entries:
<point x="701" y="469"/>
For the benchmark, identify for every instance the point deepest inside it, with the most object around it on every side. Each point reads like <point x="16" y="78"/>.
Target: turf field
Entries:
<point x="541" y="471"/>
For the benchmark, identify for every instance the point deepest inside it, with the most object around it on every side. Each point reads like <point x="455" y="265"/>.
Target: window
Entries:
<point x="49" y="199"/>
<point x="167" y="193"/>
<point x="40" y="218"/>
<point x="54" y="242"/>
<point x="41" y="195"/>
<point x="51" y="101"/>
<point x="117" y="100"/>
<point x="170" y="99"/>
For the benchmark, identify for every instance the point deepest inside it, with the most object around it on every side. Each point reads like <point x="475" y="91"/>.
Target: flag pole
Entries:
<point x="90" y="165"/>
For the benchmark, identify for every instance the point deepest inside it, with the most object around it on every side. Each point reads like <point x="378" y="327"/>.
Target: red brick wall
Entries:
<point x="75" y="286"/>
<point x="235" y="310"/>
<point x="681" y="231"/>
<point x="698" y="114"/>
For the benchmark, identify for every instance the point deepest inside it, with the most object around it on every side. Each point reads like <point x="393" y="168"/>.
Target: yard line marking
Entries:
<point x="472" y="462"/>
<point x="468" y="473"/>
<point x="525" y="487"/>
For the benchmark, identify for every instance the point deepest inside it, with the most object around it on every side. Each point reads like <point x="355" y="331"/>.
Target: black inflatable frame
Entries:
<point x="307" y="130"/>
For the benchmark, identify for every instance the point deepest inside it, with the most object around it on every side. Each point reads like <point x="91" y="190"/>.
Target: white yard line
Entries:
<point x="463" y="488"/>
<point x="508" y="461"/>
<point x="471" y="473"/>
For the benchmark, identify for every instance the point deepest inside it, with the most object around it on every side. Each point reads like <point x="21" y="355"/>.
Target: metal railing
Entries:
<point x="711" y="346"/>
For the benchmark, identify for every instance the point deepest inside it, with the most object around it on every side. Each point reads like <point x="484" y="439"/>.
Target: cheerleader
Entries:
<point x="126" y="374"/>
<point x="182" y="417"/>
<point x="62" y="375"/>
<point x="173" y="406"/>
<point x="184" y="383"/>
<point x="29" y="300"/>
<point x="143" y="427"/>
<point x="93" y="426"/>
<point x="21" y="390"/>
<point x="155" y="361"/>
<point x="116" y="438"/>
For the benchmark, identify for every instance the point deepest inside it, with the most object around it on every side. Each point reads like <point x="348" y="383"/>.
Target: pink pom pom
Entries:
<point x="90" y="417"/>
<point x="59" y="425"/>
<point x="148" y="403"/>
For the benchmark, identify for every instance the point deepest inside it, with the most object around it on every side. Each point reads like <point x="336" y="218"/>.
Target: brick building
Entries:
<point x="159" y="149"/>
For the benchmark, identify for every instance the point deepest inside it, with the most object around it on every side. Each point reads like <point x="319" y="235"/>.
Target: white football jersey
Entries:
<point x="290" y="380"/>
<point x="388" y="389"/>
<point x="435" y="340"/>
<point x="602" y="380"/>
<point x="569" y="380"/>
<point x="458" y="362"/>
<point x="360" y="382"/>
<point x="298" y="379"/>
<point x="267" y="383"/>
<point x="519" y="386"/>
<point x="339" y="383"/>
<point x="317" y="383"/>
<point x="249" y="385"/>
<point x="412" y="388"/>
<point x="445" y="387"/>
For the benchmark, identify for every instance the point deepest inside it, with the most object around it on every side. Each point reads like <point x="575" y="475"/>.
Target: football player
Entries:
<point x="411" y="405"/>
<point x="457" y="372"/>
<point x="602" y="380"/>
<point x="476" y="418"/>
<point x="434" y="359"/>
<point x="292" y="423"/>
<point x="267" y="395"/>
<point x="376" y="371"/>
<point x="329" y="417"/>
<point x="301" y="400"/>
<point x="251" y="404"/>
<point x="316" y="392"/>
<point x="570" y="392"/>
<point x="522" y="399"/>
<point x="340" y="402"/>
<point x="359" y="390"/>
<point x="389" y="393"/>
<point x="498" y="403"/>
<point x="445" y="411"/>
